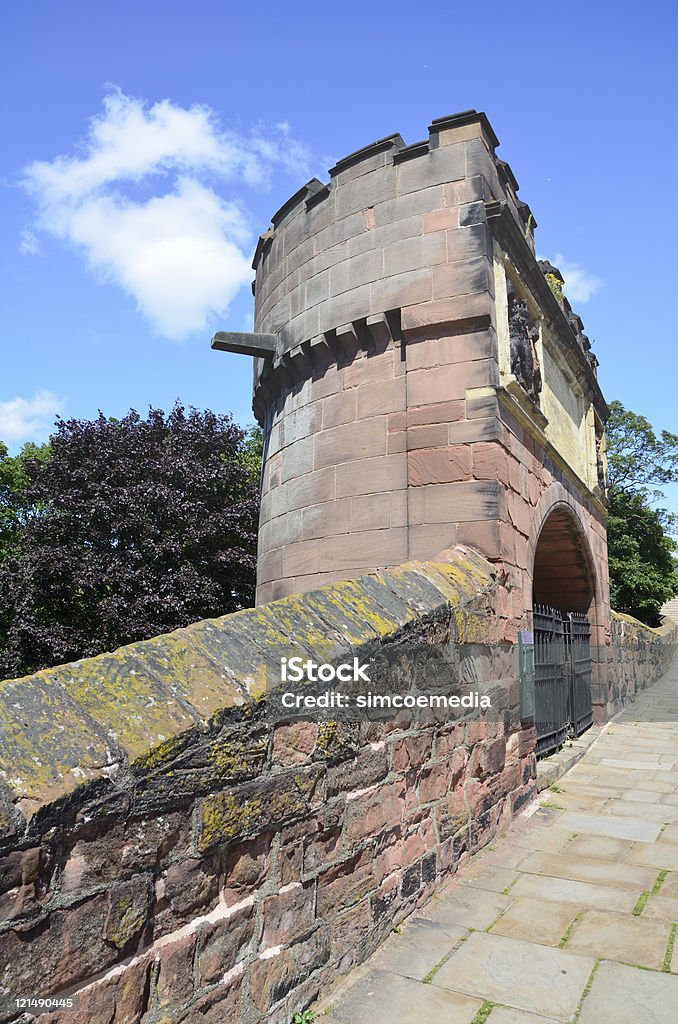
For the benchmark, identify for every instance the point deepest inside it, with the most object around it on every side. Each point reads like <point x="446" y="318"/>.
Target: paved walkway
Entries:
<point x="571" y="916"/>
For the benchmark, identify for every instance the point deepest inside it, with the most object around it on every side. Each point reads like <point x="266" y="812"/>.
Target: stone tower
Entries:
<point x="422" y="381"/>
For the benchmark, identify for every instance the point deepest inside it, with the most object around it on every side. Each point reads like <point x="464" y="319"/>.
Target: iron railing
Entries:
<point x="562" y="677"/>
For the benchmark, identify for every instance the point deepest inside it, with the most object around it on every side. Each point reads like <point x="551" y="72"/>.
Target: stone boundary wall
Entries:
<point x="638" y="656"/>
<point x="169" y="854"/>
<point x="230" y="870"/>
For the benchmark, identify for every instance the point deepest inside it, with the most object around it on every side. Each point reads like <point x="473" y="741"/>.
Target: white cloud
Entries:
<point x="29" y="245"/>
<point x="579" y="284"/>
<point x="184" y="252"/>
<point x="29" y="419"/>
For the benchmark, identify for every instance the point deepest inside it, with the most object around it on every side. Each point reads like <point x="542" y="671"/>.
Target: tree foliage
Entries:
<point x="125" y="529"/>
<point x="640" y="548"/>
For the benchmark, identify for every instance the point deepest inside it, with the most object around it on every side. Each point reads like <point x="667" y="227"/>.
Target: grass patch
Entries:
<point x="587" y="989"/>
<point x="484" y="1012"/>
<point x="431" y="974"/>
<point x="668" y="955"/>
<point x="555" y="788"/>
<point x="568" y="931"/>
<point x="552" y="806"/>
<point x="641" y="904"/>
<point x="659" y="881"/>
<point x="507" y="888"/>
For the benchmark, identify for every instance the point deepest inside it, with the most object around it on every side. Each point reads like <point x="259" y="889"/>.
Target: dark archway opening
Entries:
<point x="562" y="576"/>
<point x="563" y="587"/>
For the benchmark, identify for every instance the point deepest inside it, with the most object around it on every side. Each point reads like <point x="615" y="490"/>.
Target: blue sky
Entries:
<point x="146" y="145"/>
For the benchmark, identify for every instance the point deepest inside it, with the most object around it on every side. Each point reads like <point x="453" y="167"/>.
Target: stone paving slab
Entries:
<point x="469" y="908"/>
<point x="582" y="894"/>
<point x="633" y="940"/>
<point x="636" y="829"/>
<point x="626" y="995"/>
<point x="566" y="918"/>
<point x="496" y="967"/>
<point x="581" y="869"/>
<point x="384" y="998"/>
<point x="508" y="1015"/>
<point x="598" y="847"/>
<point x="420" y="946"/>
<point x="530" y="919"/>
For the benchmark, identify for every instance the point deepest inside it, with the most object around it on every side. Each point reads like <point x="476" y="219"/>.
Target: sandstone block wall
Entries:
<point x="170" y="854"/>
<point x="638" y="656"/>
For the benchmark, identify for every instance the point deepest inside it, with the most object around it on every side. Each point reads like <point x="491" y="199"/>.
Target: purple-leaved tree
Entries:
<point x="135" y="527"/>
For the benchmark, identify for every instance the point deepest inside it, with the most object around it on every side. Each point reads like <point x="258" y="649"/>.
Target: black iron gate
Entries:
<point x="562" y="676"/>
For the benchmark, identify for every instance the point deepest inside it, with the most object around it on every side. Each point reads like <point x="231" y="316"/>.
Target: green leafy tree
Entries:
<point x="640" y="547"/>
<point x="15" y="506"/>
<point x="130" y="528"/>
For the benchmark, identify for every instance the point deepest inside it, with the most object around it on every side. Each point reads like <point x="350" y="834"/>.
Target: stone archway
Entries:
<point x="563" y="609"/>
<point x="562" y="573"/>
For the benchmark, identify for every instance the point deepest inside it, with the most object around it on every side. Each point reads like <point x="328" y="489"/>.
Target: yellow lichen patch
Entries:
<point x="224" y="818"/>
<point x="295" y="618"/>
<point x="329" y="602"/>
<point x="47" y="746"/>
<point x="160" y="756"/>
<point x="236" y="755"/>
<point x="363" y="600"/>
<point x="131" y="705"/>
<point x="188" y="672"/>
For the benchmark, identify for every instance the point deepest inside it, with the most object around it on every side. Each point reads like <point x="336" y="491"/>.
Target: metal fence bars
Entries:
<point x="562" y="677"/>
<point x="578" y="649"/>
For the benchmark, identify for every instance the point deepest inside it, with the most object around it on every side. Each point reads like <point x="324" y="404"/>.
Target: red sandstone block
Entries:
<point x="322" y="850"/>
<point x="433" y="783"/>
<point x="457" y="502"/>
<point x="469" y="277"/>
<point x="411" y="751"/>
<point x="462" y="348"/>
<point x="407" y="289"/>
<point x="514" y="474"/>
<point x="428" y="541"/>
<point x="397" y="421"/>
<point x="330" y="517"/>
<point x="384" y="396"/>
<point x="442" y="383"/>
<point x="399" y="508"/>
<point x="421" y="354"/>
<point x="286" y="915"/>
<point x="339" y="408"/>
<point x="369" y="476"/>
<point x="439" y="465"/>
<point x="369" y="549"/>
<point x="379" y="809"/>
<point x="175" y="977"/>
<point x="447" y="741"/>
<point x="447" y="311"/>
<point x="368" y="369"/>
<point x="441" y="220"/>
<point x="430" y="436"/>
<point x="370" y="512"/>
<point x="490" y="462"/>
<point x="350" y="441"/>
<point x="520" y="513"/>
<point x="421" y="839"/>
<point x="294" y="743"/>
<point x="442" y="412"/>
<point x="272" y="978"/>
<point x="415" y="253"/>
<point x="347" y="931"/>
<point x="396" y="443"/>
<point x="344" y="884"/>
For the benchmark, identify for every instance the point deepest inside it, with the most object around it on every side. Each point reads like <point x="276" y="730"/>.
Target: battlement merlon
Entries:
<point x="399" y="233"/>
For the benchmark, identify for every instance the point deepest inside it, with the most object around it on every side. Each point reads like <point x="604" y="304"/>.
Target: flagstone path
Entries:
<point x="570" y="916"/>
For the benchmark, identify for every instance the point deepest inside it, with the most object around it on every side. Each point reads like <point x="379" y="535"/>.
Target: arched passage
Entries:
<point x="564" y="598"/>
<point x="563" y="575"/>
